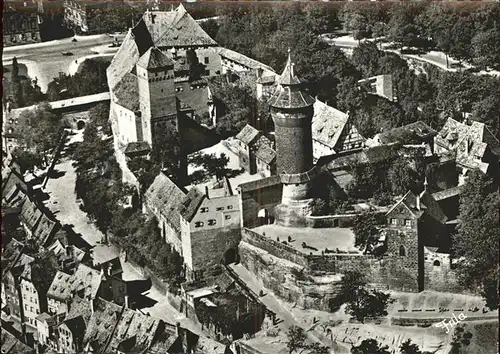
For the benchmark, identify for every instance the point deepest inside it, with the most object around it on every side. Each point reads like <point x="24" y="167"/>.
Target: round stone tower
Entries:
<point x="292" y="112"/>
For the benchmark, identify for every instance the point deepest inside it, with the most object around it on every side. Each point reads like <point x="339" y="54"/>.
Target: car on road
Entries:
<point x="67" y="53"/>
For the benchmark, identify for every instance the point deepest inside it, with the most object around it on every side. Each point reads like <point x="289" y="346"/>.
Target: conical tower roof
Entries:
<point x="289" y="93"/>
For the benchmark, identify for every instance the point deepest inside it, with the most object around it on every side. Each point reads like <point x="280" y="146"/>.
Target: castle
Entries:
<point x="268" y="224"/>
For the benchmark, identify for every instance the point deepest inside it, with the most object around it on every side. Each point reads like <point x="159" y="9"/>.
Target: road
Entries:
<point x="435" y="58"/>
<point x="62" y="201"/>
<point x="44" y="60"/>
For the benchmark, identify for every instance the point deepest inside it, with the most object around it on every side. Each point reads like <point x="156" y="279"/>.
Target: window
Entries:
<point x="229" y="207"/>
<point x="394" y="221"/>
<point x="198" y="224"/>
<point x="211" y="222"/>
<point x="219" y="208"/>
<point x="437" y="263"/>
<point x="227" y="217"/>
<point x="204" y="210"/>
<point x="402" y="251"/>
<point x="408" y="223"/>
<point x="207" y="60"/>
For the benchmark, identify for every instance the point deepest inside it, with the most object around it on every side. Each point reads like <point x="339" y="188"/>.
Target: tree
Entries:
<point x="361" y="302"/>
<point x="408" y="347"/>
<point x="486" y="49"/>
<point x="402" y="177"/>
<point x="296" y="338"/>
<point x="401" y="27"/>
<point x="461" y="36"/>
<point x="460" y="339"/>
<point x="370" y="346"/>
<point x="17" y="91"/>
<point x="476" y="245"/>
<point x="210" y="26"/>
<point x="213" y="165"/>
<point x="365" y="230"/>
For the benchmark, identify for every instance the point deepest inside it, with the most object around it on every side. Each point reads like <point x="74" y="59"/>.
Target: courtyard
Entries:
<point x="319" y="239"/>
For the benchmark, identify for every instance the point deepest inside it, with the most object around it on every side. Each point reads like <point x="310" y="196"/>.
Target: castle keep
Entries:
<point x="292" y="113"/>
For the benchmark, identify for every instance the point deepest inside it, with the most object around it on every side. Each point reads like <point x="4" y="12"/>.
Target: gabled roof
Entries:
<point x="432" y="207"/>
<point x="85" y="280"/>
<point x="409" y="200"/>
<point x="154" y="59"/>
<point x="260" y="183"/>
<point x="101" y="325"/>
<point x="80" y="307"/>
<point x="77" y="326"/>
<point x="127" y="56"/>
<point x="191" y="203"/>
<point x="12" y="345"/>
<point x="127" y="92"/>
<point x="327" y="124"/>
<point x="44" y="229"/>
<point x="408" y="134"/>
<point x="176" y="29"/>
<point x="30" y="214"/>
<point x="248" y="135"/>
<point x="14" y="179"/>
<point x="265" y="154"/>
<point x="248" y="62"/>
<point x="166" y="196"/>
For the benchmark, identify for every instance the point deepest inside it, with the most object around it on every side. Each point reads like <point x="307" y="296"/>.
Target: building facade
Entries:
<point x="20" y="26"/>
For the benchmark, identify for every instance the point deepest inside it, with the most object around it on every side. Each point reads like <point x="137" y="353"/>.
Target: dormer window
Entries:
<point x="198" y="224"/>
<point x="211" y="222"/>
<point x="204" y="210"/>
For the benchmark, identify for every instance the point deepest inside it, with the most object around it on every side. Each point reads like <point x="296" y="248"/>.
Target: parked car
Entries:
<point x="67" y="53"/>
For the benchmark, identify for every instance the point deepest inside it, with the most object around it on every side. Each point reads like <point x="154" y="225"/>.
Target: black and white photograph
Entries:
<point x="250" y="177"/>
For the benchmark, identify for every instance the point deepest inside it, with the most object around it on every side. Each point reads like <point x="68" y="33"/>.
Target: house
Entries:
<point x="380" y="85"/>
<point x="34" y="284"/>
<point x="46" y="326"/>
<point x="150" y="81"/>
<point x="471" y="144"/>
<point x="333" y="132"/>
<point x="113" y="287"/>
<point x="210" y="229"/>
<point x="20" y="26"/>
<point x="255" y="151"/>
<point x="413" y="133"/>
<point x="68" y="256"/>
<point x="101" y="325"/>
<point x="12" y="345"/>
<point x="78" y="15"/>
<point x="201" y="227"/>
<point x="85" y="281"/>
<point x="163" y="200"/>
<point x="414" y="223"/>
<point x="71" y="334"/>
<point x="13" y="262"/>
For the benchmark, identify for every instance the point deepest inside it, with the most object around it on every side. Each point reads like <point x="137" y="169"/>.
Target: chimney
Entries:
<point x="126" y="301"/>
<point x="417" y="201"/>
<point x="426" y="184"/>
<point x="92" y="306"/>
<point x="110" y="268"/>
<point x="177" y="329"/>
<point x="206" y="192"/>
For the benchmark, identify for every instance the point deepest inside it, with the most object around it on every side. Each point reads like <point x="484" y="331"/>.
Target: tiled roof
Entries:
<point x="191" y="203"/>
<point x="246" y="61"/>
<point x="128" y="54"/>
<point x="45" y="228"/>
<point x="40" y="272"/>
<point x="176" y="29"/>
<point x="12" y="345"/>
<point x="260" y="183"/>
<point x="138" y="147"/>
<point x="410" y="201"/>
<point x="469" y="142"/>
<point x="85" y="280"/>
<point x="77" y="327"/>
<point x="127" y="92"/>
<point x="163" y="342"/>
<point x="433" y="208"/>
<point x="248" y="135"/>
<point x="370" y="155"/>
<point x="411" y="133"/>
<point x="265" y="154"/>
<point x="134" y="324"/>
<point x="30" y="214"/>
<point x="165" y="196"/>
<point x="327" y="124"/>
<point x="14" y="179"/>
<point x="288" y="94"/>
<point x="154" y="59"/>
<point x="80" y="307"/>
<point x="447" y="193"/>
<point x="101" y="325"/>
